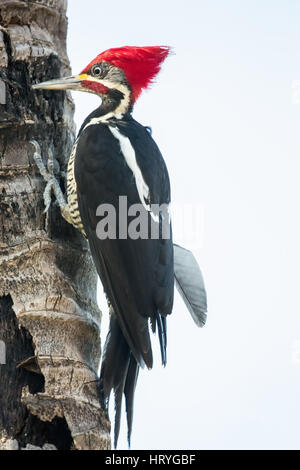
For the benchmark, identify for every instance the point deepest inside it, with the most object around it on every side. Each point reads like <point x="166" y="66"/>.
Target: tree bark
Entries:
<point x="49" y="318"/>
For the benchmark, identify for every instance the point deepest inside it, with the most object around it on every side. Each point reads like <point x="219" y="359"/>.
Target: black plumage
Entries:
<point x="137" y="275"/>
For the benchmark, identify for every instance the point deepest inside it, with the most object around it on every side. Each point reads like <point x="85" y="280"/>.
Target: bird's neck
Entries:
<point x="115" y="105"/>
<point x="117" y="102"/>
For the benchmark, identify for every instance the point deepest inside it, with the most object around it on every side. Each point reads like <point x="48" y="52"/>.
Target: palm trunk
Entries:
<point x="49" y="319"/>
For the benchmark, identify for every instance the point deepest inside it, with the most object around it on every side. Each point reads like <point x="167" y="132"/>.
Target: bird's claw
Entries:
<point x="50" y="163"/>
<point x="47" y="173"/>
<point x="47" y="195"/>
<point x="51" y="182"/>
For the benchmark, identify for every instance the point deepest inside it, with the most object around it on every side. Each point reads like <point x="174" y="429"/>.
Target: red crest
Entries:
<point x="139" y="64"/>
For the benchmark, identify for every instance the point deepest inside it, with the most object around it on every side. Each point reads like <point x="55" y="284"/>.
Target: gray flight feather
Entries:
<point x="190" y="284"/>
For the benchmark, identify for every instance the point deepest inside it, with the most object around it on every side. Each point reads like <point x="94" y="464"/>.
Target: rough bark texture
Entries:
<point x="49" y="319"/>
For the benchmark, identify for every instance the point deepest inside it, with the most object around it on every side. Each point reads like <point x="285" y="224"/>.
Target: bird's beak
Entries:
<point x="67" y="83"/>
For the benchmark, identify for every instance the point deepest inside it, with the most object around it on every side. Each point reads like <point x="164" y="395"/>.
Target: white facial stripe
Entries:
<point x="102" y="119"/>
<point x="109" y="84"/>
<point x="129" y="155"/>
<point x="124" y="104"/>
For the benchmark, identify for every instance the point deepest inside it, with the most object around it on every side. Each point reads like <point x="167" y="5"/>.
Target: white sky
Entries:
<point x="226" y="118"/>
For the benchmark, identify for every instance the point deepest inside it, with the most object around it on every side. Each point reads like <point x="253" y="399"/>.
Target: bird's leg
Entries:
<point x="52" y="183"/>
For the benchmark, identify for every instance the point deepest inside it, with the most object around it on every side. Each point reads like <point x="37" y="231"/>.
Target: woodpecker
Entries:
<point x="114" y="156"/>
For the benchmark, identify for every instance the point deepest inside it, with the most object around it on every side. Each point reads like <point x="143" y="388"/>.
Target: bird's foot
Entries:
<point x="51" y="182"/>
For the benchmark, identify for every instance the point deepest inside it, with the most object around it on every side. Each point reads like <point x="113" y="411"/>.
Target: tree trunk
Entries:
<point x="49" y="319"/>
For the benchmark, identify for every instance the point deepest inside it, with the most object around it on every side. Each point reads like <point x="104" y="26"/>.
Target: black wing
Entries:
<point x="137" y="275"/>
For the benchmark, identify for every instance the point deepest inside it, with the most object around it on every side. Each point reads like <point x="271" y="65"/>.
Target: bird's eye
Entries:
<point x="96" y="71"/>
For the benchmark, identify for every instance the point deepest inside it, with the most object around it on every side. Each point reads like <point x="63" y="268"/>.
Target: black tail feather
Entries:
<point x="162" y="334"/>
<point x="131" y="380"/>
<point x="118" y="407"/>
<point x="119" y="371"/>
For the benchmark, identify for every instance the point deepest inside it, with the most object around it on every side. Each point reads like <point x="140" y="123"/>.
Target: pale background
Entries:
<point x="225" y="112"/>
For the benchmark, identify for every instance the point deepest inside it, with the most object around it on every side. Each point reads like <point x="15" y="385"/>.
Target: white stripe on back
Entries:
<point x="129" y="155"/>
